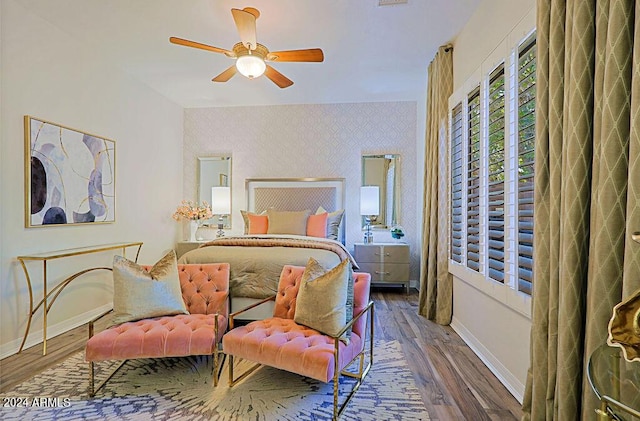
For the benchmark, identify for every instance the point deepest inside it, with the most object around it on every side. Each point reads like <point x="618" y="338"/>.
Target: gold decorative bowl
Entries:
<point x="624" y="327"/>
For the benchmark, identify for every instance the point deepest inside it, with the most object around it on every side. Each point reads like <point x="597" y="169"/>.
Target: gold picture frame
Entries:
<point x="69" y="175"/>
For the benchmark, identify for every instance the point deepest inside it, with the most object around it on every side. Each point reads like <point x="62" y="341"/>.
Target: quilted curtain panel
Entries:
<point x="436" y="284"/>
<point x="587" y="200"/>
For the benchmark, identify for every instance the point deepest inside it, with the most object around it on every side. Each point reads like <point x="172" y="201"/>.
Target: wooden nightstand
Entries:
<point x="386" y="262"/>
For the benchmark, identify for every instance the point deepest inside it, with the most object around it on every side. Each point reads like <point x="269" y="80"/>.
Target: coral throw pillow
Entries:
<point x="258" y="224"/>
<point x="245" y="218"/>
<point x="317" y="225"/>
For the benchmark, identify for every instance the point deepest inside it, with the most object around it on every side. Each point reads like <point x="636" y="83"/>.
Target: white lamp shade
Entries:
<point x="250" y="66"/>
<point x="221" y="200"/>
<point x="369" y="200"/>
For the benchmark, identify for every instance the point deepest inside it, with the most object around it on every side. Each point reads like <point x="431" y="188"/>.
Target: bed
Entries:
<point x="256" y="258"/>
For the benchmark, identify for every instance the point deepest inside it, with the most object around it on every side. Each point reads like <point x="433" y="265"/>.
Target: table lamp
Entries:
<point x="369" y="208"/>
<point x="221" y="206"/>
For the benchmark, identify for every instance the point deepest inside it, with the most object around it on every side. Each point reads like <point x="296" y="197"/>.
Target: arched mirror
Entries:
<point x="383" y="171"/>
<point x="214" y="171"/>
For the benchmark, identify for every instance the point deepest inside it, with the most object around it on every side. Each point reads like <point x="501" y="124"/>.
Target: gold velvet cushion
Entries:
<point x="321" y="303"/>
<point x="288" y="222"/>
<point x="138" y="294"/>
<point x="333" y="222"/>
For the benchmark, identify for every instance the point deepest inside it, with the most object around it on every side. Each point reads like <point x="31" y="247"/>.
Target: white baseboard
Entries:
<point x="511" y="382"/>
<point x="35" y="336"/>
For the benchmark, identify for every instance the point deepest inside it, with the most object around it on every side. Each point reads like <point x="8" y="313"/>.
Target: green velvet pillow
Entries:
<point x="321" y="303"/>
<point x="138" y="294"/>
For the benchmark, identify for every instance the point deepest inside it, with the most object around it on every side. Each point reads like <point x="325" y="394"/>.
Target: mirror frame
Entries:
<point x="395" y="195"/>
<point x="209" y="158"/>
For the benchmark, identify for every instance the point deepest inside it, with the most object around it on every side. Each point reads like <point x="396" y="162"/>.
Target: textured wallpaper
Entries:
<point x="320" y="140"/>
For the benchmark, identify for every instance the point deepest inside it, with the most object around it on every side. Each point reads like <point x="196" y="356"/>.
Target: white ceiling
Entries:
<point x="372" y="52"/>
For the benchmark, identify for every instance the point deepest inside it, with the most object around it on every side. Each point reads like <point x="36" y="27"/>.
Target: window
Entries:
<point x="496" y="161"/>
<point x="492" y="175"/>
<point x="526" y="136"/>
<point x="473" y="182"/>
<point x="457" y="177"/>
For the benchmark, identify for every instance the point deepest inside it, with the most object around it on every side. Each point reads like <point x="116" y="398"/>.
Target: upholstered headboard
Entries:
<point x="295" y="194"/>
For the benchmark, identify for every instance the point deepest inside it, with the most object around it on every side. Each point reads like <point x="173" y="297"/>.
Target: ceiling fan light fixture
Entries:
<point x="251" y="66"/>
<point x="250" y="55"/>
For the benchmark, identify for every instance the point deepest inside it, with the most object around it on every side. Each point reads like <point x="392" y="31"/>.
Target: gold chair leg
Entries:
<point x="230" y="370"/>
<point x="215" y="367"/>
<point x="91" y="379"/>
<point x="92" y="390"/>
<point x="222" y="359"/>
<point x="336" y="378"/>
<point x="362" y="372"/>
<point x="215" y="352"/>
<point x="250" y="370"/>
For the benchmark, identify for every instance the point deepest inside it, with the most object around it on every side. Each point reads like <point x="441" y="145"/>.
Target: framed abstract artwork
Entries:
<point x="69" y="175"/>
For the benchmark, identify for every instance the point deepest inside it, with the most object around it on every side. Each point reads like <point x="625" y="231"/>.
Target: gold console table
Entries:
<point x="616" y="382"/>
<point x="49" y="297"/>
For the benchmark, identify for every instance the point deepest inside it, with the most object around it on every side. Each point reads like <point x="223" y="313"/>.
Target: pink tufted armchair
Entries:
<point x="282" y="343"/>
<point x="205" y="291"/>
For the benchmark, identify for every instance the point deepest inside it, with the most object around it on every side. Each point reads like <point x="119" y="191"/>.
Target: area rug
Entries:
<point x="182" y="388"/>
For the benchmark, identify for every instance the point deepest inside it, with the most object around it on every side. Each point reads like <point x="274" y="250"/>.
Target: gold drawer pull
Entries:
<point x="382" y="273"/>
<point x="386" y="254"/>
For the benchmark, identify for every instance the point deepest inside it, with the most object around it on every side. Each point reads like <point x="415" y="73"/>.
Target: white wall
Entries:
<point x="47" y="74"/>
<point x="485" y="30"/>
<point x="496" y="332"/>
<point x="325" y="140"/>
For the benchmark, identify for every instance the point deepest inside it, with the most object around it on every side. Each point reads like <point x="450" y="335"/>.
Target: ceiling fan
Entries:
<point x="251" y="56"/>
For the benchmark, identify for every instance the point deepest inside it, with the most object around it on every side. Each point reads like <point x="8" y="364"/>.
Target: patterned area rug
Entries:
<point x="182" y="388"/>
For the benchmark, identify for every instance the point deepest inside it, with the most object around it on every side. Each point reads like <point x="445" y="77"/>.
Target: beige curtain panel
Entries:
<point x="587" y="200"/>
<point x="436" y="284"/>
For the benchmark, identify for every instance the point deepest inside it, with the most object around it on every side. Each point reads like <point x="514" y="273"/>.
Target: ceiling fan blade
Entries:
<point x="277" y="77"/>
<point x="187" y="43"/>
<point x="226" y="75"/>
<point x="246" y="23"/>
<point x="311" y="54"/>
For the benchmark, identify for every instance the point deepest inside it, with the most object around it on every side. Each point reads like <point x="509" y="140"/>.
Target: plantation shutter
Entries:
<point x="457" y="178"/>
<point x="496" y="175"/>
<point x="526" y="138"/>
<point x="473" y="182"/>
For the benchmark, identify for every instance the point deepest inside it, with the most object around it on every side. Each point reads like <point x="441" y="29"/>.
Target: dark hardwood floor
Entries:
<point x="454" y="383"/>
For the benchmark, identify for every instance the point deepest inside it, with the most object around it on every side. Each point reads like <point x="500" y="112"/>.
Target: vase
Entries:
<point x="624" y="327"/>
<point x="397" y="233"/>
<point x="193" y="227"/>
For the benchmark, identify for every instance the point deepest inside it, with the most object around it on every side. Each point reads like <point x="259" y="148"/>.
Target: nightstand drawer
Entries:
<point x="371" y="253"/>
<point x="386" y="272"/>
